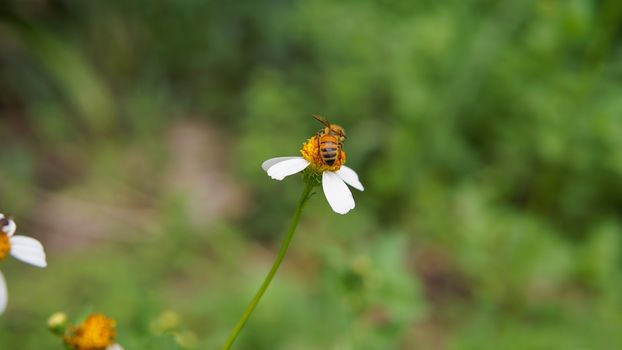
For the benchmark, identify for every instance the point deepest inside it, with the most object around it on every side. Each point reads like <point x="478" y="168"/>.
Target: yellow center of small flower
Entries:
<point x="311" y="152"/>
<point x="5" y="245"/>
<point x="96" y="333"/>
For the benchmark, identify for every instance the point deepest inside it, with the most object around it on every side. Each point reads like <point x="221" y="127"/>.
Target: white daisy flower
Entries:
<point x="23" y="248"/>
<point x="334" y="177"/>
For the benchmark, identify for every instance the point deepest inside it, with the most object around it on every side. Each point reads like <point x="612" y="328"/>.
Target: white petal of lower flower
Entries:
<point x="114" y="347"/>
<point x="4" y="294"/>
<point x="337" y="193"/>
<point x="10" y="228"/>
<point x="350" y="177"/>
<point x="28" y="250"/>
<point x="270" y="162"/>
<point x="287" y="167"/>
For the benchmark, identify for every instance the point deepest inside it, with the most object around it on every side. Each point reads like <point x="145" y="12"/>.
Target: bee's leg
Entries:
<point x="319" y="150"/>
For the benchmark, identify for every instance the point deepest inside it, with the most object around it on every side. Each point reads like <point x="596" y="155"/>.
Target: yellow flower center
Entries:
<point x="5" y="245"/>
<point x="96" y="333"/>
<point x="311" y="152"/>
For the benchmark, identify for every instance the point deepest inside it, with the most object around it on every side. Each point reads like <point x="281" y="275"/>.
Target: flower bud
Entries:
<point x="57" y="323"/>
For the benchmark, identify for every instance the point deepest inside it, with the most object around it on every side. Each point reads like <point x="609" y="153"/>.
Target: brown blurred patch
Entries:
<point x="430" y="334"/>
<point x="126" y="205"/>
<point x="199" y="171"/>
<point x="69" y="222"/>
<point x="441" y="279"/>
<point x="444" y="286"/>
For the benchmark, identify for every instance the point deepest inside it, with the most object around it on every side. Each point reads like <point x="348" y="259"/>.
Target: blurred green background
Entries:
<point x="488" y="135"/>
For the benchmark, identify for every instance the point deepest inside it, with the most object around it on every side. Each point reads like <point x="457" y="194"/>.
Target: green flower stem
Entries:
<point x="275" y="266"/>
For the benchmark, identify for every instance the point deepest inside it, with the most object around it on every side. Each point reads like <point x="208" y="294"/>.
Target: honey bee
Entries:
<point x="330" y="140"/>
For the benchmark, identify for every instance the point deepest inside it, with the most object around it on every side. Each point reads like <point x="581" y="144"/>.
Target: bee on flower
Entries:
<point x="26" y="249"/>
<point x="97" y="332"/>
<point x="322" y="156"/>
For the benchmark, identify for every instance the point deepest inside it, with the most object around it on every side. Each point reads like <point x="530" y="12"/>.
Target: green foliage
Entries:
<point x="487" y="134"/>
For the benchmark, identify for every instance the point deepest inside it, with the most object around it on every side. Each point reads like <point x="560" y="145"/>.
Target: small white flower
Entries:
<point x="333" y="182"/>
<point x="23" y="248"/>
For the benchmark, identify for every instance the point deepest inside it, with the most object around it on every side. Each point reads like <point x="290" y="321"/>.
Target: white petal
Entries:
<point x="114" y="347"/>
<point x="10" y="228"/>
<point x="270" y="162"/>
<point x="287" y="167"/>
<point x="28" y="250"/>
<point x="4" y="294"/>
<point x="350" y="177"/>
<point x="337" y="193"/>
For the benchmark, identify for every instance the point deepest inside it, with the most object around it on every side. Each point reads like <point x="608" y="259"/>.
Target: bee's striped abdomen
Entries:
<point x="329" y="149"/>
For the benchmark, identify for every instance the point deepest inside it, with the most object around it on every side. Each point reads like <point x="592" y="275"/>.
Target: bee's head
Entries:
<point x="338" y="131"/>
<point x="331" y="129"/>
